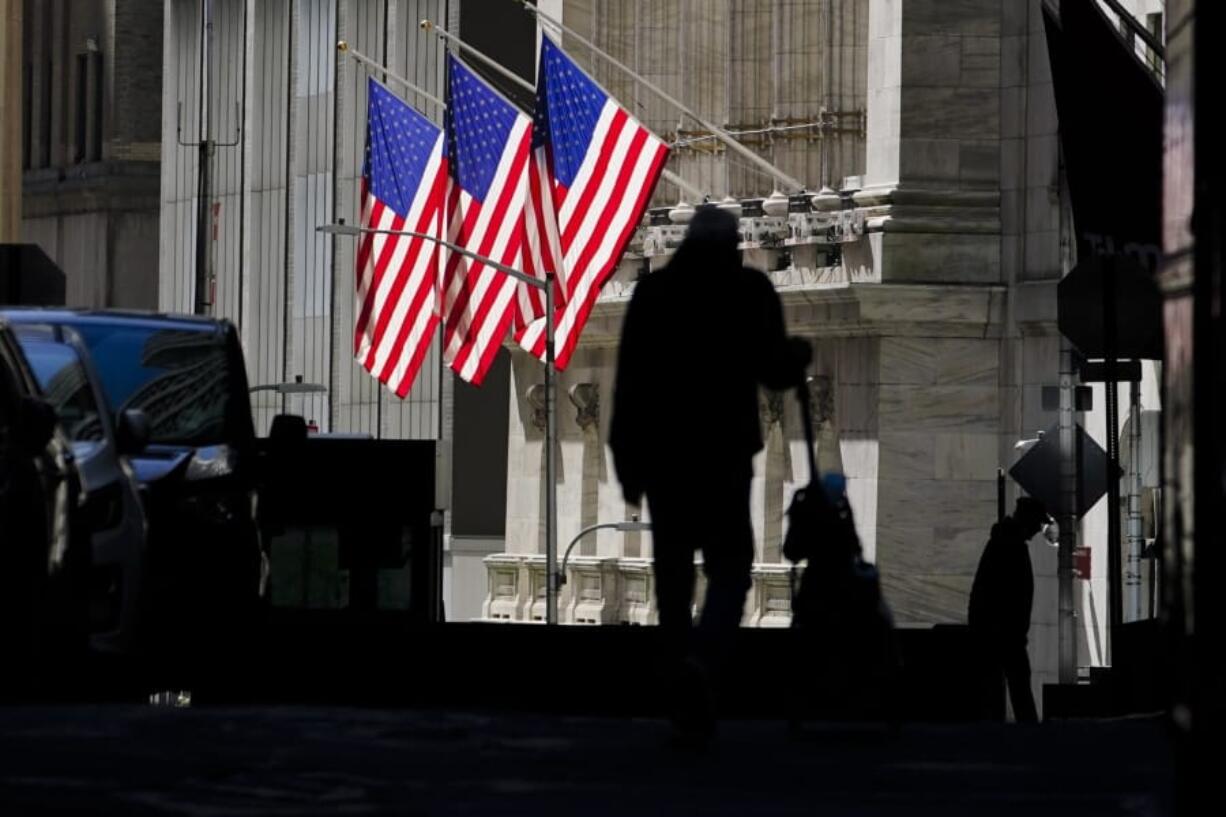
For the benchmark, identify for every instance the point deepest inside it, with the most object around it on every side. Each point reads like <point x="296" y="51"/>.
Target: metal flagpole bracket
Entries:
<point x="551" y="408"/>
<point x="343" y="47"/>
<point x="446" y="36"/>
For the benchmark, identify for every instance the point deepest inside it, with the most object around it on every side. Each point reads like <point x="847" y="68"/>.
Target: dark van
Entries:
<point x="186" y="374"/>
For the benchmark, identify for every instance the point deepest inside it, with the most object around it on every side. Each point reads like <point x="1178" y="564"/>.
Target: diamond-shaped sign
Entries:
<point x="1081" y="308"/>
<point x="1038" y="472"/>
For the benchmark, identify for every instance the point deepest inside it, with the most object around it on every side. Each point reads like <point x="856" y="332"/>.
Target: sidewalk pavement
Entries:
<point x="315" y="761"/>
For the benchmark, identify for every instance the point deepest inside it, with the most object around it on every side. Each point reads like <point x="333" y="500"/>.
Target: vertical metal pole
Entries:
<point x="204" y="192"/>
<point x="551" y="440"/>
<point x="1115" y="571"/>
<point x="1067" y="615"/>
<point x="1136" y="541"/>
<point x="340" y="28"/>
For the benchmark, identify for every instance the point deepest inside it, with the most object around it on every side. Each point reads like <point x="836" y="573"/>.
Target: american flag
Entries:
<point x="488" y="142"/>
<point x="403" y="187"/>
<point x="595" y="167"/>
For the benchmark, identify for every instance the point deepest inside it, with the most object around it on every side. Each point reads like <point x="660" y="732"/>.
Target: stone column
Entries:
<point x="10" y="120"/>
<point x="932" y="206"/>
<point x="932" y="187"/>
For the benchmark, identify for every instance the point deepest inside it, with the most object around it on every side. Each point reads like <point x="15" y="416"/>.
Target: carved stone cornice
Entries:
<point x="920" y="210"/>
<point x="838" y="308"/>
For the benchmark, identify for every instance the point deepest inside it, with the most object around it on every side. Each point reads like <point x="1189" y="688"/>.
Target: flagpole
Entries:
<point x="719" y="133"/>
<point x="551" y="464"/>
<point x="344" y="48"/>
<point x="551" y="413"/>
<point x="429" y="25"/>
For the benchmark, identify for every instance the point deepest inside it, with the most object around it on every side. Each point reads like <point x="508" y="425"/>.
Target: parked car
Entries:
<point x="101" y="444"/>
<point x="186" y="374"/>
<point x="44" y="558"/>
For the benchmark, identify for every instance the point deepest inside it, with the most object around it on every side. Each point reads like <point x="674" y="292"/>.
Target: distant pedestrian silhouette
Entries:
<point x="1001" y="599"/>
<point x="699" y="338"/>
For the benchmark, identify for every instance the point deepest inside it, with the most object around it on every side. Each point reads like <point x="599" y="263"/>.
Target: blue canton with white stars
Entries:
<point x="398" y="145"/>
<point x="568" y="106"/>
<point x="479" y="123"/>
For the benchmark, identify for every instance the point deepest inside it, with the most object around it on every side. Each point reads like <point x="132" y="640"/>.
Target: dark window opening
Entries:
<point x="1153" y="22"/>
<point x="27" y="115"/>
<point x="95" y="147"/>
<point x="82" y="107"/>
<point x="44" y="159"/>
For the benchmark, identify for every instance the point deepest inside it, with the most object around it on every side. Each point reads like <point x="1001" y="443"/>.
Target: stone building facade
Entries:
<point x="926" y="280"/>
<point x="92" y="145"/>
<point x="922" y="265"/>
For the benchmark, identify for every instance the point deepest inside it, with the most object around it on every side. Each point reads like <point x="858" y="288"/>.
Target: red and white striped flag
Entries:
<point x="488" y="142"/>
<point x="403" y="183"/>
<point x="595" y="168"/>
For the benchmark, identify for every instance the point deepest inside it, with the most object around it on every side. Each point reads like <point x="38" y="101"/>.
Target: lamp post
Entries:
<point x="551" y="419"/>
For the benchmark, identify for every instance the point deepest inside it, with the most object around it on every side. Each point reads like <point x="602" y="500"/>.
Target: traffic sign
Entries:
<point x="1080" y="308"/>
<point x="1038" y="472"/>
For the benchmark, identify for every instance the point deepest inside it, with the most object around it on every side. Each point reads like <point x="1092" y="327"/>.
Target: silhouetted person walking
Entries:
<point x="699" y="337"/>
<point x="1001" y="598"/>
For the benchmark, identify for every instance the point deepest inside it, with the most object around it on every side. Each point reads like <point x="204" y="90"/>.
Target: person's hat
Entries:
<point x="1031" y="508"/>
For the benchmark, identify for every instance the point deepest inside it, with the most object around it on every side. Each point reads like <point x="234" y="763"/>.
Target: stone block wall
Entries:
<point x="936" y="470"/>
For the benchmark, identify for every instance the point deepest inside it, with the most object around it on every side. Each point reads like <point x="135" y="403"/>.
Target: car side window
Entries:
<point x="67" y="388"/>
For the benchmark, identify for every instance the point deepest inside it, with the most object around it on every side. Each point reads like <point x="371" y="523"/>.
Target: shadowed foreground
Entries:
<point x="299" y="760"/>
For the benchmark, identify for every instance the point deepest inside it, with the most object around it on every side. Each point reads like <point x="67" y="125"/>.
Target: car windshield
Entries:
<point x="66" y="386"/>
<point x="180" y="378"/>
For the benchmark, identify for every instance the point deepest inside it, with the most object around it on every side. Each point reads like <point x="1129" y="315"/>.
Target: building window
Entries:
<point x="44" y="158"/>
<point x="82" y="108"/>
<point x="27" y="115"/>
<point x="89" y="99"/>
<point x="95" y="146"/>
<point x="1153" y="22"/>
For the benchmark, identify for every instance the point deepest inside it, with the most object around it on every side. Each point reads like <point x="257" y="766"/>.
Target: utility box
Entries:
<point x="28" y="277"/>
<point x="1081" y="562"/>
<point x="350" y="525"/>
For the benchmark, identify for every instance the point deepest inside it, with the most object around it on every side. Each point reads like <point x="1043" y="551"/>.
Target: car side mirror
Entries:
<point x="132" y="432"/>
<point x="37" y="424"/>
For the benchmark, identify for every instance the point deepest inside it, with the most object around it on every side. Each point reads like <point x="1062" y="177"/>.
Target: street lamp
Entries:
<point x="630" y="525"/>
<point x="294" y="387"/>
<point x="551" y="420"/>
<point x="1025" y="445"/>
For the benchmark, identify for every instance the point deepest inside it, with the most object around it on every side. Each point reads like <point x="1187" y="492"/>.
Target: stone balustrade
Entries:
<point x="615" y="590"/>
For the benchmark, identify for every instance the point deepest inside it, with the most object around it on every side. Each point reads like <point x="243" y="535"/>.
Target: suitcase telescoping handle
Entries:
<point x="806" y="419"/>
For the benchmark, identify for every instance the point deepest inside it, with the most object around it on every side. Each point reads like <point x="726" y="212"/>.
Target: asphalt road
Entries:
<point x="349" y="761"/>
